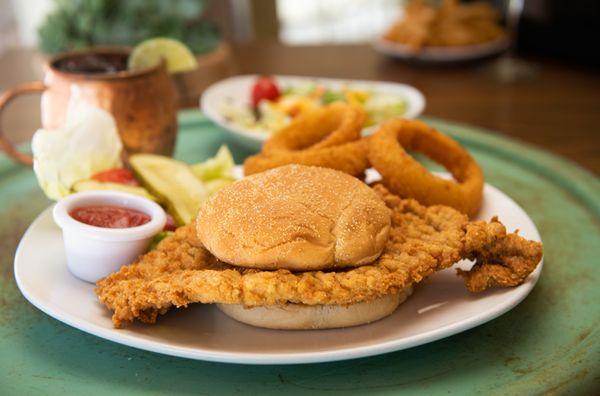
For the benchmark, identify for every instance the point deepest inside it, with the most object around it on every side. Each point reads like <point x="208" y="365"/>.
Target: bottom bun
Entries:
<point x="307" y="317"/>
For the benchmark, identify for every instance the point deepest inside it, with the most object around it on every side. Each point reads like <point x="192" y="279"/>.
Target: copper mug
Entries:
<point x="143" y="103"/>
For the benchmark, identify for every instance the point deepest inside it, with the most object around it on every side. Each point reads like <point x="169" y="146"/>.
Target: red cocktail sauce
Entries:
<point x="108" y="216"/>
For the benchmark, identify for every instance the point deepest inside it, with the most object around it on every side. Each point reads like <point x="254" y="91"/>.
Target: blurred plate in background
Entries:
<point x="441" y="54"/>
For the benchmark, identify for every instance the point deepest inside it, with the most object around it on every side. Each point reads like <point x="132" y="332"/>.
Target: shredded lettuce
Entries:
<point x="383" y="106"/>
<point x="218" y="167"/>
<point x="333" y="96"/>
<point x="87" y="144"/>
<point x="300" y="90"/>
<point x="216" y="172"/>
<point x="271" y="118"/>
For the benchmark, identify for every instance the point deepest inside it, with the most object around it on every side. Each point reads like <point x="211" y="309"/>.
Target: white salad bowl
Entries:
<point x="236" y="91"/>
<point x="94" y="252"/>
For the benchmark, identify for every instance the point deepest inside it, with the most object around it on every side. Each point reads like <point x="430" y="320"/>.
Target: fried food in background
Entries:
<point x="327" y="137"/>
<point x="406" y="177"/>
<point x="451" y="24"/>
<point x="421" y="241"/>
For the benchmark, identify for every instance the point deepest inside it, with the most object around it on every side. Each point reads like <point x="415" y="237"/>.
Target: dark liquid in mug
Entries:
<point x="93" y="64"/>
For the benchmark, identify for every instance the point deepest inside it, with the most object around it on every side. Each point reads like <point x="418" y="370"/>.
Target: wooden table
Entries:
<point x="558" y="110"/>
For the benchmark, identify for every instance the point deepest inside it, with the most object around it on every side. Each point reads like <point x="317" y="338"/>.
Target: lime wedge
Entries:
<point x="149" y="53"/>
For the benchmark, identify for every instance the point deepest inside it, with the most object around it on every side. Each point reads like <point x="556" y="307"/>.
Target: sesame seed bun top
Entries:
<point x="295" y="217"/>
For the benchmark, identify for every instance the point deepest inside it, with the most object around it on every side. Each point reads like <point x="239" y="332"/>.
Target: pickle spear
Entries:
<point x="171" y="181"/>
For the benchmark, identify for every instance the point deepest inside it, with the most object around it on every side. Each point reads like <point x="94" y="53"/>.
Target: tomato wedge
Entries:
<point x="170" y="225"/>
<point x="117" y="175"/>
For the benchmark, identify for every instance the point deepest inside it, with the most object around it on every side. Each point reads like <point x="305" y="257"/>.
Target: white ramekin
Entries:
<point x="94" y="252"/>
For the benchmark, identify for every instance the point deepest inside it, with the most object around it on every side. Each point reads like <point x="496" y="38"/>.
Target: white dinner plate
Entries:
<point x="439" y="307"/>
<point x="440" y="54"/>
<point x="236" y="90"/>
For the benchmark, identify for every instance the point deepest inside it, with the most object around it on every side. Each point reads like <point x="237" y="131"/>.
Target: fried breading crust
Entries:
<point x="349" y="158"/>
<point x="501" y="259"/>
<point x="422" y="240"/>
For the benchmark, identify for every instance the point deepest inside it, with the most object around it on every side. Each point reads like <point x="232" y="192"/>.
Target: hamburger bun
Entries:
<point x="312" y="317"/>
<point x="295" y="217"/>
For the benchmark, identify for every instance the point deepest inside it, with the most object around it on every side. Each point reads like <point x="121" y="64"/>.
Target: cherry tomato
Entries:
<point x="264" y="88"/>
<point x="117" y="175"/>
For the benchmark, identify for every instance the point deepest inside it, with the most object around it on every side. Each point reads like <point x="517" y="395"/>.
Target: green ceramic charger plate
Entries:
<point x="550" y="343"/>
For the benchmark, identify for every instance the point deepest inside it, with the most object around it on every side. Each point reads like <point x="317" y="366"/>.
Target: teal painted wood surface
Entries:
<point x="548" y="344"/>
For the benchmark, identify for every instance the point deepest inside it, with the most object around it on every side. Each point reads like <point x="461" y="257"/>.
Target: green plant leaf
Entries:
<point x="84" y="23"/>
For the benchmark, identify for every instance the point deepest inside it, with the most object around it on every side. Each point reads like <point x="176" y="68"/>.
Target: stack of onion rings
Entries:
<point x="330" y="137"/>
<point x="405" y="177"/>
<point x="327" y="137"/>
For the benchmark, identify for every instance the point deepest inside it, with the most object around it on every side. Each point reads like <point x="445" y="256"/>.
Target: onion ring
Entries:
<point x="404" y="176"/>
<point x="328" y="137"/>
<point x="350" y="158"/>
<point x="326" y="126"/>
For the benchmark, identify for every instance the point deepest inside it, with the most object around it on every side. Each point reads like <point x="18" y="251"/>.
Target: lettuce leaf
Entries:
<point x="218" y="167"/>
<point x="87" y="144"/>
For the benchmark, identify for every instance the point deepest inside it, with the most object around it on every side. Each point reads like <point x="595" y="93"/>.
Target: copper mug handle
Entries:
<point x="5" y="145"/>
